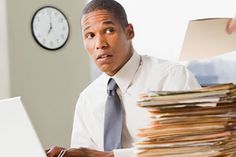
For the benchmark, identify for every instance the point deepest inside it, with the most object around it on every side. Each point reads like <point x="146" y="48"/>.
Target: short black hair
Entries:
<point x="111" y="6"/>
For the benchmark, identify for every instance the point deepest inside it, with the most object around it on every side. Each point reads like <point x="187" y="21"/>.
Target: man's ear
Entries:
<point x="129" y="31"/>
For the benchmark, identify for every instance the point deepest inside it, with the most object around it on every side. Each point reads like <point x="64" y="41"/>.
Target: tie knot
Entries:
<point x="112" y="86"/>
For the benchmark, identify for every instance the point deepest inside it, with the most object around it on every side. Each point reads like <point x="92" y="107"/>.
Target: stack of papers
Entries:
<point x="196" y="123"/>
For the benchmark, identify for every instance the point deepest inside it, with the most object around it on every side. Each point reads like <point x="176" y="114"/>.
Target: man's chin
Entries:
<point x="108" y="71"/>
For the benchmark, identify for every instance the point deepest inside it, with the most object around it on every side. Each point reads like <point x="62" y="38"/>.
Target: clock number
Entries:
<point x="51" y="43"/>
<point x="44" y="41"/>
<point x="60" y="20"/>
<point x="35" y="26"/>
<point x="62" y="36"/>
<point x="55" y="14"/>
<point x="49" y="11"/>
<point x="37" y="19"/>
<point x="42" y="13"/>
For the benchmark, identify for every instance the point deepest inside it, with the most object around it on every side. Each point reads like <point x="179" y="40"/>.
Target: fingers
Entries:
<point x="231" y="26"/>
<point x="78" y="152"/>
<point x="54" y="151"/>
<point x="46" y="150"/>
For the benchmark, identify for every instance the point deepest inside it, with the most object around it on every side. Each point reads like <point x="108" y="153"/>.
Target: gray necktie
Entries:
<point x="113" y="118"/>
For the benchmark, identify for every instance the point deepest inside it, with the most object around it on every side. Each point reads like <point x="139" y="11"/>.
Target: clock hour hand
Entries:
<point x="50" y="23"/>
<point x="50" y="29"/>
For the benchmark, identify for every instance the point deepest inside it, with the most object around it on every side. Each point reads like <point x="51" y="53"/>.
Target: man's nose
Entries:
<point x="101" y="43"/>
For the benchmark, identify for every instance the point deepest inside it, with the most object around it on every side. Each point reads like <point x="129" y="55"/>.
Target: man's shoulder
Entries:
<point x="171" y="75"/>
<point x="158" y="63"/>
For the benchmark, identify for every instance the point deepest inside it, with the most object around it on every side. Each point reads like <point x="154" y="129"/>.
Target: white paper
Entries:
<point x="207" y="38"/>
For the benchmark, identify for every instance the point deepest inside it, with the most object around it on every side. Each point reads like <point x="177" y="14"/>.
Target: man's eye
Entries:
<point x="89" y="35"/>
<point x="109" y="30"/>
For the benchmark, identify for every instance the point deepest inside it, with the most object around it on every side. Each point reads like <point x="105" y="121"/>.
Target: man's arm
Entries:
<point x="80" y="134"/>
<point x="180" y="78"/>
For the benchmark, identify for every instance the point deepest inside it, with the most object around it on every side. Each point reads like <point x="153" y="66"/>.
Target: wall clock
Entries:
<point x="50" y="28"/>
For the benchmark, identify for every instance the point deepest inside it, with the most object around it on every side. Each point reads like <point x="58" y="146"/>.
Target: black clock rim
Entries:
<point x="32" y="32"/>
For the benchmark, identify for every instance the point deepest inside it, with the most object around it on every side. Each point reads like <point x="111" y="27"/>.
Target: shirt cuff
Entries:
<point x="128" y="152"/>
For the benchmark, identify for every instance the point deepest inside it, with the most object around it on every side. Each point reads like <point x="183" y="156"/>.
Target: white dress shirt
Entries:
<point x="139" y="75"/>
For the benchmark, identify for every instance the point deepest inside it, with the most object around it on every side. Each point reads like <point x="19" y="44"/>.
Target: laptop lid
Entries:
<point x="17" y="135"/>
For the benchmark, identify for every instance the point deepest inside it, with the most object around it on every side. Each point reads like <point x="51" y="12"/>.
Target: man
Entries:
<point x="107" y="37"/>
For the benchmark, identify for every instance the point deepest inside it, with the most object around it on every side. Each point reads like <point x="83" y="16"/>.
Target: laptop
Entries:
<point x="17" y="135"/>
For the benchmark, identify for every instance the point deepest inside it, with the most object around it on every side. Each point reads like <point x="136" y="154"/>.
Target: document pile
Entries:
<point x="196" y="123"/>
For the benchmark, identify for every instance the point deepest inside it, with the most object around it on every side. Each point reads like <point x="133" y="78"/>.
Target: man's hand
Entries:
<point x="231" y="26"/>
<point x="78" y="152"/>
<point x="54" y="151"/>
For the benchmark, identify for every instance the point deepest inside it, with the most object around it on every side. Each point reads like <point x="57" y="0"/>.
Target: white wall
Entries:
<point x="49" y="82"/>
<point x="160" y="25"/>
<point x="4" y="63"/>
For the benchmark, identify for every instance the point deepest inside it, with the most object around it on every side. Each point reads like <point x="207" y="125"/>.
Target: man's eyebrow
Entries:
<point x="108" y="22"/>
<point x="86" y="28"/>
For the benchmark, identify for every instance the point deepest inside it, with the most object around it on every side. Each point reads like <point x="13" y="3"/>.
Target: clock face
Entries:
<point x="50" y="28"/>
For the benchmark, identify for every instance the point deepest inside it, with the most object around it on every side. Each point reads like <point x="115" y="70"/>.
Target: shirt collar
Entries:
<point x="125" y="75"/>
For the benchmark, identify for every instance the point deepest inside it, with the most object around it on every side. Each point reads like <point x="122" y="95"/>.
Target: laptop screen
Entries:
<point x="17" y="135"/>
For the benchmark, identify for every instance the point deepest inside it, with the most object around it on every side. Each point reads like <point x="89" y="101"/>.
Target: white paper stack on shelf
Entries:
<point x="196" y="123"/>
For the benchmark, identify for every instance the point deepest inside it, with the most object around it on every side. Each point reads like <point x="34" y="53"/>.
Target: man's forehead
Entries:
<point x="101" y="17"/>
<point x="87" y="26"/>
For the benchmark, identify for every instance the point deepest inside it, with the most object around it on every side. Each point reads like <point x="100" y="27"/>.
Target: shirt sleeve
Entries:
<point x="180" y="78"/>
<point x="128" y="152"/>
<point x="80" y="136"/>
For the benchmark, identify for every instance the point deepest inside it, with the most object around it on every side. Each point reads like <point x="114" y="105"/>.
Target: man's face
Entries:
<point x="106" y="41"/>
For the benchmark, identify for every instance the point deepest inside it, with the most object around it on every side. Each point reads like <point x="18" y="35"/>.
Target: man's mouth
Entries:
<point x="104" y="56"/>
